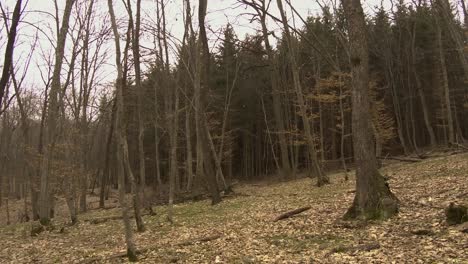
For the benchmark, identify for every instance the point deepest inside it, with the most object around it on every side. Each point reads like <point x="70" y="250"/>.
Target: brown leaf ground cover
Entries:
<point x="241" y="228"/>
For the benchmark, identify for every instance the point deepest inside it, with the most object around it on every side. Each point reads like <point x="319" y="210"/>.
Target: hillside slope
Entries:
<point x="241" y="230"/>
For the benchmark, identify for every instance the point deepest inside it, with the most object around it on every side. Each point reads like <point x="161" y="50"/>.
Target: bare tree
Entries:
<point x="201" y="90"/>
<point x="8" y="61"/>
<point x="322" y="178"/>
<point x="122" y="155"/>
<point x="135" y="36"/>
<point x="373" y="196"/>
<point x="52" y="117"/>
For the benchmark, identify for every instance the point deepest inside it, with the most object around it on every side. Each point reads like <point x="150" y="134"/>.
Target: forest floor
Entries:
<point x="241" y="229"/>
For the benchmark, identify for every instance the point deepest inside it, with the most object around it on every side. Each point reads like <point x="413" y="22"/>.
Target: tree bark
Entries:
<point x="373" y="199"/>
<point x="106" y="171"/>
<point x="122" y="158"/>
<point x="140" y="92"/>
<point x="53" y="112"/>
<point x="10" y="47"/>
<point x="201" y="90"/>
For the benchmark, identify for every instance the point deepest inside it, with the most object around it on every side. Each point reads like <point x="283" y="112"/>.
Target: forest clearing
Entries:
<point x="242" y="230"/>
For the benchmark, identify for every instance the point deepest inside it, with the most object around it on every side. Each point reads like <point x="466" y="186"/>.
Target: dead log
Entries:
<point x="200" y="239"/>
<point x="458" y="145"/>
<point x="291" y="213"/>
<point x="400" y="159"/>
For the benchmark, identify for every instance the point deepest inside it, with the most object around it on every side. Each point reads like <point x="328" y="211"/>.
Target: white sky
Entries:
<point x="220" y="12"/>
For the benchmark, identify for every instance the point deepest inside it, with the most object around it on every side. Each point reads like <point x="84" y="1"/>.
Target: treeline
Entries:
<point x="267" y="105"/>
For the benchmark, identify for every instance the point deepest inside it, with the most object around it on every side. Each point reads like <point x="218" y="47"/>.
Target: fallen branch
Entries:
<point x="291" y="213"/>
<point x="200" y="239"/>
<point x="460" y="146"/>
<point x="400" y="159"/>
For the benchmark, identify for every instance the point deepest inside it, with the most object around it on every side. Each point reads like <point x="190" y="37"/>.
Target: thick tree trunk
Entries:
<point x="373" y="196"/>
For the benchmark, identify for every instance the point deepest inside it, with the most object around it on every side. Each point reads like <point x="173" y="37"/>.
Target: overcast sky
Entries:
<point x="220" y="12"/>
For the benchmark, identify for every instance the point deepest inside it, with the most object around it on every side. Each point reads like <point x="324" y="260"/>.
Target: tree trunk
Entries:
<point x="276" y="96"/>
<point x="445" y="83"/>
<point x="343" y="135"/>
<point x="419" y="88"/>
<point x="201" y="90"/>
<point x="140" y="92"/>
<point x="53" y="109"/>
<point x="121" y="140"/>
<point x="10" y="47"/>
<point x="373" y="196"/>
<point x="188" y="141"/>
<point x="322" y="178"/>
<point x="106" y="171"/>
<point x="173" y="126"/>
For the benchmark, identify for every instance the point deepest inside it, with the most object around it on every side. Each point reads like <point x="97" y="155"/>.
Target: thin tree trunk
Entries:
<point x="201" y="89"/>
<point x="445" y="83"/>
<point x="140" y="92"/>
<point x="86" y="87"/>
<point x="10" y="47"/>
<point x="106" y="171"/>
<point x="173" y="174"/>
<point x="322" y="178"/>
<point x="188" y="140"/>
<point x="53" y="109"/>
<point x="343" y="136"/>
<point x="420" y="91"/>
<point x="122" y="143"/>
<point x="276" y="96"/>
